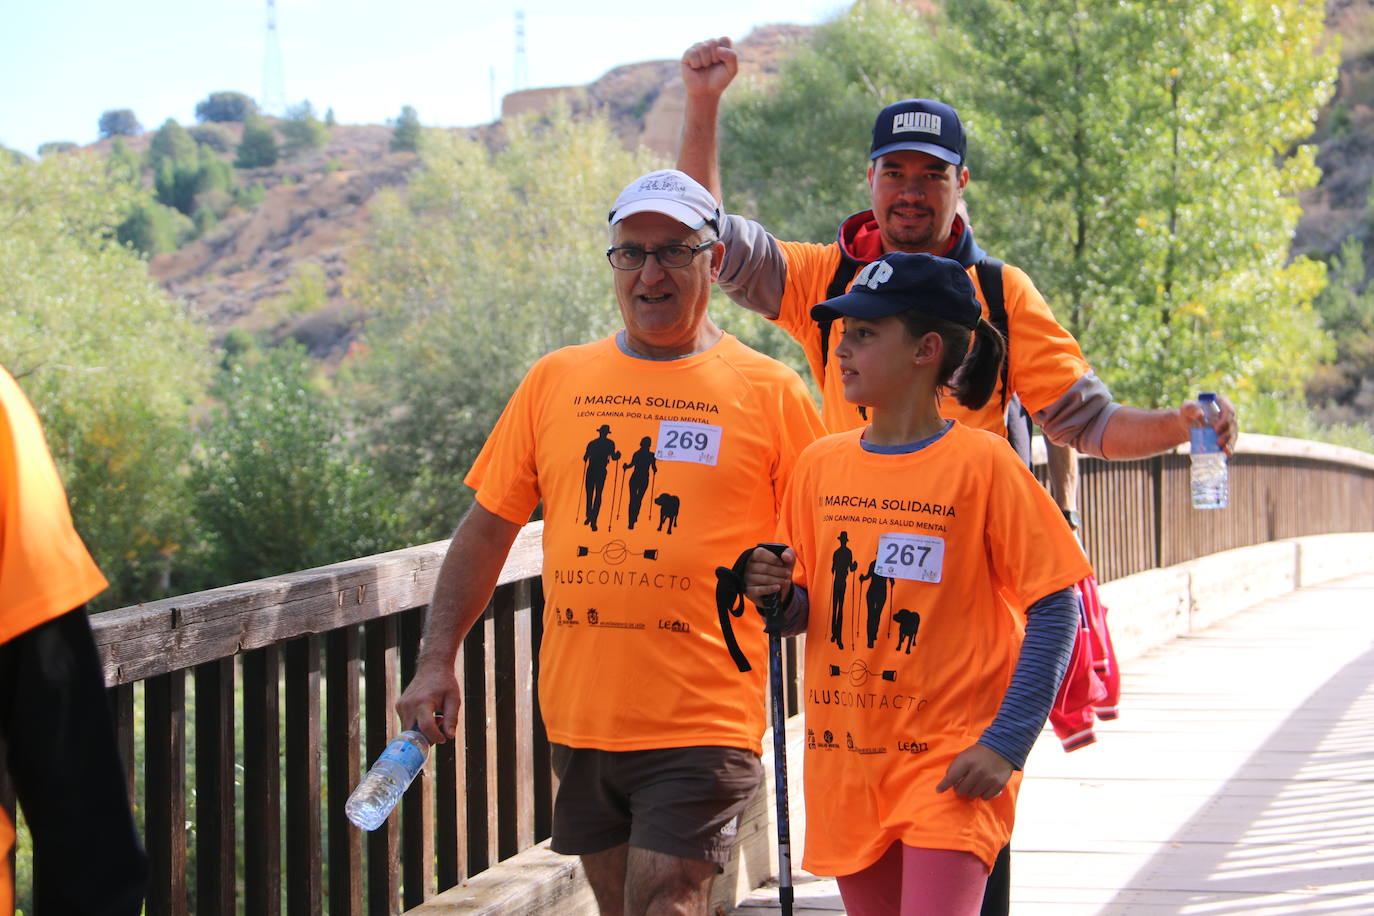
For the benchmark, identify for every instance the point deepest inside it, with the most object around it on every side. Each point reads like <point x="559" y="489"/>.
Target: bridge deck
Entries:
<point x="1238" y="780"/>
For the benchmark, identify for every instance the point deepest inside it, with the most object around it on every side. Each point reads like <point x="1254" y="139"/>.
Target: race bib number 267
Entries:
<point x="916" y="557"/>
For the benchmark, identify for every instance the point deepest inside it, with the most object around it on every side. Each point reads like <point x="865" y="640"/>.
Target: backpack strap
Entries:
<point x="844" y="273"/>
<point x="990" y="282"/>
<point x="1016" y="417"/>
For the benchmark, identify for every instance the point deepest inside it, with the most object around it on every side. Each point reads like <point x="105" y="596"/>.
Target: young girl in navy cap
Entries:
<point x="956" y="616"/>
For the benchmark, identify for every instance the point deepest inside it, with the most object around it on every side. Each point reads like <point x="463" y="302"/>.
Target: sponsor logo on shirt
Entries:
<point x="676" y="626"/>
<point x="594" y="619"/>
<point x="912" y="747"/>
<point x="564" y="618"/>
<point x="859" y="749"/>
<point x="826" y="742"/>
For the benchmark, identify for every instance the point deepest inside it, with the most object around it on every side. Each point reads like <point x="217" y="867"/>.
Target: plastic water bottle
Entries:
<point x="1209" y="461"/>
<point x="393" y="772"/>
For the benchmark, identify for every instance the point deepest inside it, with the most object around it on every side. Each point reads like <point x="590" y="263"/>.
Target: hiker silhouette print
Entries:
<point x="628" y="490"/>
<point x="599" y="452"/>
<point x="643" y="468"/>
<point x="841" y="565"/>
<point x="877" y="597"/>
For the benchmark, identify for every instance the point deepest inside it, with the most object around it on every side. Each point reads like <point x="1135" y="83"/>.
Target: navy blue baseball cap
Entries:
<point x="923" y="125"/>
<point x="900" y="281"/>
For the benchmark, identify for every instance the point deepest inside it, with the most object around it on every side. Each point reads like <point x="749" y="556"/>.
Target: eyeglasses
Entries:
<point x="630" y="257"/>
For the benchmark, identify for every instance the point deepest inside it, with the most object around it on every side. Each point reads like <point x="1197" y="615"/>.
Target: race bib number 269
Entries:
<point x="916" y="557"/>
<point x="698" y="443"/>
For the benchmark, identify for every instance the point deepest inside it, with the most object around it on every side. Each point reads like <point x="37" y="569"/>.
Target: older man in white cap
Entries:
<point x="656" y="734"/>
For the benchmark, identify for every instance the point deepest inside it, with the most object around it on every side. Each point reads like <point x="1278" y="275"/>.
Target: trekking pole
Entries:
<point x="614" y="512"/>
<point x="854" y="604"/>
<point x="772" y="625"/>
<point x="581" y="489"/>
<point x="891" y="587"/>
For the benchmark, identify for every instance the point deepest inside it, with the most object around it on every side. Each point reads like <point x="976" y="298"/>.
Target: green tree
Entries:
<point x="248" y="196"/>
<point x="56" y="147"/>
<point x="119" y="122"/>
<point x="302" y="131"/>
<point x="110" y="361"/>
<point x="277" y="485"/>
<point x="1343" y="388"/>
<point x="307" y="293"/>
<point x="171" y="145"/>
<point x="1144" y="160"/>
<point x="258" y="148"/>
<point x="1140" y="159"/>
<point x="151" y="228"/>
<point x="123" y="164"/>
<point x="212" y="137"/>
<point x="329" y="119"/>
<point x="405" y="135"/>
<point x="225" y="106"/>
<point x="189" y="185"/>
<point x="481" y="266"/>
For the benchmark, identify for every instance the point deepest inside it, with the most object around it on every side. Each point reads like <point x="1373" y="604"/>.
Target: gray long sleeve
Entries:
<point x="754" y="271"/>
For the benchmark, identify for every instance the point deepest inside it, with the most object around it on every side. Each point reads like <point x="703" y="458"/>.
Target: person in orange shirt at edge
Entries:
<point x="917" y="172"/>
<point x="59" y="742"/>
<point x="656" y="736"/>
<point x="915" y="740"/>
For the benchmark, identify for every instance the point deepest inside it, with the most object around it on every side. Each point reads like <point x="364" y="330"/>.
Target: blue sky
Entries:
<point x="63" y="62"/>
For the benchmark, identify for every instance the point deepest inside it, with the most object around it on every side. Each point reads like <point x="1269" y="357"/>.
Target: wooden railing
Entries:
<point x="290" y="682"/>
<point x="1138" y="515"/>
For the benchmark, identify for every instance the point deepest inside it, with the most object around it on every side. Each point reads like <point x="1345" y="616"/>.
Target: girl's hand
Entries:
<point x="978" y="772"/>
<point x="767" y="574"/>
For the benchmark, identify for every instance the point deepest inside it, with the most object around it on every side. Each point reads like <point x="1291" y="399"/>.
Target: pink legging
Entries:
<point x="910" y="881"/>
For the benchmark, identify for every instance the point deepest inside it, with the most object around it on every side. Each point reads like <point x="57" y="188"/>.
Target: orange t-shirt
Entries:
<point x="1044" y="361"/>
<point x="45" y="570"/>
<point x="652" y="474"/>
<point x="919" y="569"/>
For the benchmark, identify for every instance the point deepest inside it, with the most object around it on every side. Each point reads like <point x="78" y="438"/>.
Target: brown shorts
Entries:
<point x="680" y="801"/>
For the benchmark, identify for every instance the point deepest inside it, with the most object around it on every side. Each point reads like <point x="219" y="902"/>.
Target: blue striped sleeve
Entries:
<point x="1051" y="628"/>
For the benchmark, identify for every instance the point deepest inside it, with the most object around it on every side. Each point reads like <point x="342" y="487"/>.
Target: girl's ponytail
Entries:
<point x="970" y="375"/>
<point x="976" y="378"/>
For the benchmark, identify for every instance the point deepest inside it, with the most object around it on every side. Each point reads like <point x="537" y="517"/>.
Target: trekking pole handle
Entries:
<point x="772" y="607"/>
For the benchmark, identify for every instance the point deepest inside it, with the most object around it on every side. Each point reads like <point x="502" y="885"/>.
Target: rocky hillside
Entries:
<point x="316" y="208"/>
<point x="1339" y="206"/>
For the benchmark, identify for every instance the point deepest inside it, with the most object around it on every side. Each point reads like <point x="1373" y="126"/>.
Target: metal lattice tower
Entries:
<point x="521" y="77"/>
<point x="273" y="81"/>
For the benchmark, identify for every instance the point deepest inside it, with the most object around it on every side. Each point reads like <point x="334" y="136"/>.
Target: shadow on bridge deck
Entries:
<point x="1238" y="780"/>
